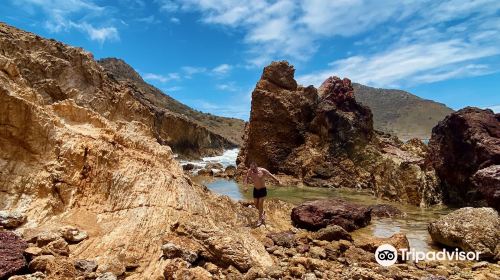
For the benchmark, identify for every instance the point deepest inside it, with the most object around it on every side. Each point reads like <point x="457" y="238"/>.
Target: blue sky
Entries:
<point x="209" y="54"/>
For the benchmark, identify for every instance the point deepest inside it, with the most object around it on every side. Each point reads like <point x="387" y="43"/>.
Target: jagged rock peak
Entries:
<point x="280" y="73"/>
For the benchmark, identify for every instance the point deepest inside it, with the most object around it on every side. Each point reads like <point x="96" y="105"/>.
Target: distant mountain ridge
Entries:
<point x="401" y="113"/>
<point x="229" y="128"/>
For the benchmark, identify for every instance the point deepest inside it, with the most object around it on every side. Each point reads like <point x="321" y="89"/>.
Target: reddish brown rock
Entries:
<point x="317" y="214"/>
<point x="328" y="140"/>
<point x="461" y="144"/>
<point x="11" y="254"/>
<point x="487" y="181"/>
<point x="385" y="211"/>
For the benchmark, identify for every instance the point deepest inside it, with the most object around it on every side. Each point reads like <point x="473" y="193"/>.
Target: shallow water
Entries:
<point x="414" y="225"/>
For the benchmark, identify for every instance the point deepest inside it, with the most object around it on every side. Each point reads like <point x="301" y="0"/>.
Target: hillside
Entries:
<point x="401" y="113"/>
<point x="229" y="128"/>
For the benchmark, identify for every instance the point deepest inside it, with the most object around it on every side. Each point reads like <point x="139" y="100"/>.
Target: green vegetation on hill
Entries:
<point x="401" y="113"/>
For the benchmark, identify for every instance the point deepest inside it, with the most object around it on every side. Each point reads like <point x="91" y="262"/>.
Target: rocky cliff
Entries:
<point x="57" y="73"/>
<point x="401" y="113"/>
<point x="229" y="128"/>
<point x="465" y="151"/>
<point x="78" y="148"/>
<point x="326" y="138"/>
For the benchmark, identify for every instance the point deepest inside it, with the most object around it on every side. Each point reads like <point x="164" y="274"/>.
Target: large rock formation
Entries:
<point x="77" y="148"/>
<point x="327" y="139"/>
<point x="471" y="229"/>
<point x="192" y="134"/>
<point x="58" y="73"/>
<point x="461" y="145"/>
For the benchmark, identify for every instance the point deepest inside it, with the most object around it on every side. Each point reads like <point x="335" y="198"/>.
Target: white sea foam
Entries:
<point x="226" y="159"/>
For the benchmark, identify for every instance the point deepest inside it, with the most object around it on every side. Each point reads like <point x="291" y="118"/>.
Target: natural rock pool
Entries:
<point x="414" y="224"/>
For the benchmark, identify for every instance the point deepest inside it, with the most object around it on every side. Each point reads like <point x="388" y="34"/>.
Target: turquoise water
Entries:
<point x="414" y="225"/>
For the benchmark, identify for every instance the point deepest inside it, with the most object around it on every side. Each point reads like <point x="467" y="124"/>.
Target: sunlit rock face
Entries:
<point x="325" y="138"/>
<point x="76" y="148"/>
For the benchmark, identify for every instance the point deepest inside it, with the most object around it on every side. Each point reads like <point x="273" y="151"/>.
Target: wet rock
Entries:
<point x="86" y="266"/>
<point x="230" y="171"/>
<point x="72" y="234"/>
<point x="11" y="254"/>
<point x="471" y="229"/>
<point x="385" y="211"/>
<point x="34" y="276"/>
<point x="317" y="214"/>
<point x="487" y="182"/>
<point x="172" y="251"/>
<point x="464" y="142"/>
<point x="11" y="220"/>
<point x="188" y="167"/>
<point x="205" y="172"/>
<point x="214" y="165"/>
<point x="284" y="238"/>
<point x="332" y="233"/>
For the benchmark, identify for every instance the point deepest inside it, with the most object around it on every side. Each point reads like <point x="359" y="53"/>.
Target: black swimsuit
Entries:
<point x="258" y="193"/>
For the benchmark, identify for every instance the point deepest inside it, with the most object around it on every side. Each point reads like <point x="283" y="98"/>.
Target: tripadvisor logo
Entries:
<point x="387" y="255"/>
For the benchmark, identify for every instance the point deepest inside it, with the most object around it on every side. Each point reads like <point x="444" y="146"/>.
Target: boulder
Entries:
<point x="398" y="240"/>
<point x="317" y="214"/>
<point x="284" y="238"/>
<point x="172" y="251"/>
<point x="188" y="167"/>
<point x="11" y="254"/>
<point x="11" y="220"/>
<point x="463" y="143"/>
<point x="327" y="139"/>
<point x="214" y="165"/>
<point x="72" y="234"/>
<point x="85" y="266"/>
<point x="205" y="172"/>
<point x="470" y="229"/>
<point x="41" y="263"/>
<point x="332" y="233"/>
<point x="487" y="182"/>
<point x="385" y="211"/>
<point x="230" y="171"/>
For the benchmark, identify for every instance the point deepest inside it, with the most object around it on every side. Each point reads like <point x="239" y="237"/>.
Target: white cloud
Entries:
<point x="412" y="36"/>
<point x="192" y="70"/>
<point x="99" y="34"/>
<point x="175" y="20"/>
<point x="413" y="63"/>
<point x="168" y="5"/>
<point x="231" y="86"/>
<point x="63" y="15"/>
<point x="495" y="108"/>
<point x="222" y="69"/>
<point x="162" y="78"/>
